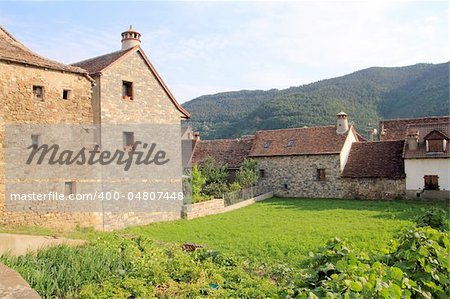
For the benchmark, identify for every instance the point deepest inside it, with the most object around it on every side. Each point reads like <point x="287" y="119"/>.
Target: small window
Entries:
<point x="267" y="144"/>
<point x="38" y="92"/>
<point x="69" y="188"/>
<point x="320" y="176"/>
<point x="36" y="141"/>
<point x="286" y="187"/>
<point x="128" y="139"/>
<point x="127" y="90"/>
<point x="262" y="173"/>
<point x="67" y="93"/>
<point x="431" y="182"/>
<point x="290" y="143"/>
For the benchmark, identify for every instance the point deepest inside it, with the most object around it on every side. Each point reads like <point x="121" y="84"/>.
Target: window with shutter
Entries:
<point x="431" y="182"/>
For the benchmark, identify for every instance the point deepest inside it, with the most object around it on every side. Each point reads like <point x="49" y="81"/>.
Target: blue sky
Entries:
<point x="208" y="47"/>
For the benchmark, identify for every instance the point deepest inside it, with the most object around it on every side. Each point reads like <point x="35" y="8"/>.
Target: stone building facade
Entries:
<point x="131" y="103"/>
<point x="35" y="90"/>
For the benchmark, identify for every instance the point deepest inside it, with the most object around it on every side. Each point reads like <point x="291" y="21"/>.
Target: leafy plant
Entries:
<point x="248" y="174"/>
<point x="434" y="217"/>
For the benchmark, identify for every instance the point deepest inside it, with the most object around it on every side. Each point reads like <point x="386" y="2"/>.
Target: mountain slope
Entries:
<point x="366" y="95"/>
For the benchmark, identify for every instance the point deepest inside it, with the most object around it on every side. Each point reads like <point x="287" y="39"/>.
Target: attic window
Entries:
<point x="38" y="92"/>
<point x="435" y="145"/>
<point x="66" y="94"/>
<point x="127" y="90"/>
<point x="290" y="143"/>
<point x="267" y="144"/>
<point x="69" y="188"/>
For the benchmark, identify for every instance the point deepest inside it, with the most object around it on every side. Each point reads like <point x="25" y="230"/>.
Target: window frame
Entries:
<point x="431" y="182"/>
<point x="70" y="187"/>
<point x="69" y="94"/>
<point x="321" y="174"/>
<point x="35" y="88"/>
<point x="36" y="141"/>
<point x="127" y="90"/>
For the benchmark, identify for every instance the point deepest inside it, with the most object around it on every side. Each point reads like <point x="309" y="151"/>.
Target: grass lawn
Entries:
<point x="285" y="230"/>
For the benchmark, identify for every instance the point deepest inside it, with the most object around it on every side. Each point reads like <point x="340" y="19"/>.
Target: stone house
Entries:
<point x="132" y="103"/>
<point x="396" y="129"/>
<point x="304" y="162"/>
<point x="118" y="99"/>
<point x="38" y="91"/>
<point x="427" y="160"/>
<point x="375" y="170"/>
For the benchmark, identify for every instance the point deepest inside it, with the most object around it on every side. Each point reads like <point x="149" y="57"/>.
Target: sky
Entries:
<point x="206" y="47"/>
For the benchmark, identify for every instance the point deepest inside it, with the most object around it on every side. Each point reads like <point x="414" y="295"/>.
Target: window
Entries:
<point x="290" y="143"/>
<point x="69" y="188"/>
<point x="267" y="144"/>
<point x="320" y="176"/>
<point x="431" y="182"/>
<point x="262" y="173"/>
<point x="67" y="93"/>
<point x="36" y="141"/>
<point x="127" y="90"/>
<point x="435" y="145"/>
<point x="128" y="140"/>
<point x="286" y="186"/>
<point x="38" y="92"/>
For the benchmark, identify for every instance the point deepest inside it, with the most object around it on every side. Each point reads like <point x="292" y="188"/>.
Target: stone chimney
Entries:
<point x="413" y="140"/>
<point x="342" y="123"/>
<point x="130" y="38"/>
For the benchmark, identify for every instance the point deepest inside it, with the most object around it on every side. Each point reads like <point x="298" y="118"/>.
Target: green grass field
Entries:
<point x="285" y="230"/>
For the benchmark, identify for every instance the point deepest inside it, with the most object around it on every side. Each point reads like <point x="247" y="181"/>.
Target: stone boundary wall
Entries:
<point x="374" y="188"/>
<point x="217" y="206"/>
<point x="13" y="286"/>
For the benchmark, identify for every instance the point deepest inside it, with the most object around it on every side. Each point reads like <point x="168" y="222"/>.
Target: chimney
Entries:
<point x="342" y="123"/>
<point x="413" y="140"/>
<point x="130" y="38"/>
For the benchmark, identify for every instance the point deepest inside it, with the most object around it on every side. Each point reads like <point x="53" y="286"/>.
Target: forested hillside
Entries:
<point x="366" y="95"/>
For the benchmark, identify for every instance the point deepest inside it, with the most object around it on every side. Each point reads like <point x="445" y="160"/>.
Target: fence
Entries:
<point x="235" y="197"/>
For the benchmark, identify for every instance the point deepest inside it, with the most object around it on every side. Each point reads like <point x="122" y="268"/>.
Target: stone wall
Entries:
<point x="217" y="206"/>
<point x="374" y="188"/>
<point x="296" y="176"/>
<point x="19" y="106"/>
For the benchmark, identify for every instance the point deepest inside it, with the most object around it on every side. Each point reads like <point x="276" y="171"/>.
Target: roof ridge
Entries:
<point x="298" y="128"/>
<point x="100" y="56"/>
<point x="415" y="118"/>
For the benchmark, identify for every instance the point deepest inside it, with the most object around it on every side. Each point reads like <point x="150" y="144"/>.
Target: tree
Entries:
<point x="198" y="180"/>
<point x="248" y="174"/>
<point x="216" y="176"/>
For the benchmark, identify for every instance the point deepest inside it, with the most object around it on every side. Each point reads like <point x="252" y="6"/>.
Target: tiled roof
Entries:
<point x="224" y="151"/>
<point x="298" y="141"/>
<point x="12" y="50"/>
<point x="101" y="63"/>
<point x="424" y="130"/>
<point x="395" y="129"/>
<point x="97" y="64"/>
<point x="382" y="159"/>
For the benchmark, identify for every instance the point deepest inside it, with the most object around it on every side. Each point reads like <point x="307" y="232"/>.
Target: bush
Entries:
<point x="434" y="217"/>
<point x="248" y="173"/>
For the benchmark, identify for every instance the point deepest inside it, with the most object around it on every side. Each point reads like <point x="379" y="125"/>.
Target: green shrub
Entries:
<point x="198" y="180"/>
<point x="434" y="217"/>
<point x="248" y="174"/>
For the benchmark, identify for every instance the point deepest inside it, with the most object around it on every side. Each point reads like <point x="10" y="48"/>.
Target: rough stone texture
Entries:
<point x="19" y="106"/>
<point x="114" y="221"/>
<point x="13" y="286"/>
<point x="374" y="188"/>
<point x="299" y="173"/>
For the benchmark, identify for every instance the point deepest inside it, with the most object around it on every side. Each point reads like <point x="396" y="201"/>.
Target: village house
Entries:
<point x="35" y="90"/>
<point x="304" y="162"/>
<point x="118" y="97"/>
<point x="427" y="161"/>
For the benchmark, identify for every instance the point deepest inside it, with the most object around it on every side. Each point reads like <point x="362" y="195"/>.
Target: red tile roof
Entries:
<point x="424" y="130"/>
<point x="224" y="151"/>
<point x="11" y="50"/>
<point x="304" y="141"/>
<point x="101" y="63"/>
<point x="375" y="160"/>
<point x="98" y="64"/>
<point x="395" y="129"/>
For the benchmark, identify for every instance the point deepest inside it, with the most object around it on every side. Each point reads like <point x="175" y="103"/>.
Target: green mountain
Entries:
<point x="367" y="96"/>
